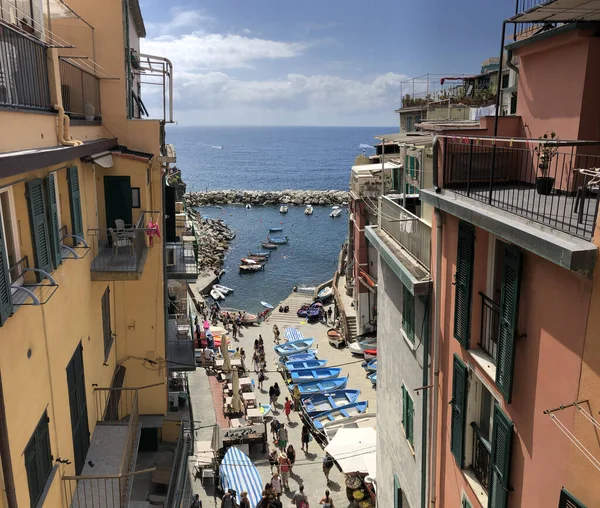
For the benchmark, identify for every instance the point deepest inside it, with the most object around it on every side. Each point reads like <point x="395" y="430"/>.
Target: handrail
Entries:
<point x="110" y="476"/>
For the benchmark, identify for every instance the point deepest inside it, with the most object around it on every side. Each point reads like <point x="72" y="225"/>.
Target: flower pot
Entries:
<point x="544" y="185"/>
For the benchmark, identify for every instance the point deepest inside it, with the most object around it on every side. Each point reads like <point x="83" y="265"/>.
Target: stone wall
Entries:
<point x="268" y="198"/>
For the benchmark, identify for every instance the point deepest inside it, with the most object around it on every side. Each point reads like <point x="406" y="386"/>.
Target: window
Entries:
<point x="505" y="80"/>
<point x="40" y="234"/>
<point x="53" y="209"/>
<point x="417" y="119"/>
<point x="135" y="197"/>
<point x="9" y="225"/>
<point x="38" y="460"/>
<point x="567" y="500"/>
<point x="407" y="414"/>
<point x="397" y="493"/>
<point x="408" y="314"/>
<point x="465" y="502"/>
<point x="75" y="203"/>
<point x="106" y="327"/>
<point x="463" y="283"/>
<point x="409" y="124"/>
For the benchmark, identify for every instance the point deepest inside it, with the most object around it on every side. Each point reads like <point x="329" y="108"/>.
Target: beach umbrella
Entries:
<point x="236" y="403"/>
<point x="225" y="353"/>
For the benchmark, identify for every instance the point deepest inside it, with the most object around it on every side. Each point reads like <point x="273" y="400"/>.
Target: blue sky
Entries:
<point x="327" y="62"/>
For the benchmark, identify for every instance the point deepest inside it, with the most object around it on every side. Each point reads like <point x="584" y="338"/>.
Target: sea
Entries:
<point x="274" y="158"/>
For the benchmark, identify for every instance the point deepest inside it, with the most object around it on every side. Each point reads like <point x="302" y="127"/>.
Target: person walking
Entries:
<point x="244" y="501"/>
<point x="287" y="408"/>
<point x="256" y="344"/>
<point x="276" y="483"/>
<point x="196" y="503"/>
<point x="272" y="396"/>
<point x="261" y="342"/>
<point x="261" y="378"/>
<point x="327" y="465"/>
<point x="326" y="501"/>
<point x="297" y="398"/>
<point x="282" y="436"/>
<point x="284" y="470"/>
<point x="227" y="501"/>
<point x="234" y="331"/>
<point x="275" y="429"/>
<point x="291" y="454"/>
<point x="300" y="499"/>
<point x="275" y="334"/>
<point x="329" y="313"/>
<point x="274" y="459"/>
<point x="305" y="438"/>
<point x="277" y="392"/>
<point x="255" y="361"/>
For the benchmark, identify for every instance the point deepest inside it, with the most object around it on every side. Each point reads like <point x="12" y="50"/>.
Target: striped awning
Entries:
<point x="292" y="334"/>
<point x="239" y="473"/>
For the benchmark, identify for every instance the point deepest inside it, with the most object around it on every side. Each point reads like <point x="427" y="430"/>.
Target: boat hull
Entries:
<point x="270" y="246"/>
<point x="323" y="402"/>
<point x="373" y="378"/>
<point x="299" y="357"/>
<point x="293" y="347"/>
<point x="370" y="354"/>
<point x="308" y="389"/>
<point x="370" y="366"/>
<point x="275" y="230"/>
<point x="339" y="413"/>
<point x="250" y="268"/>
<point x="335" y="337"/>
<point x="311" y="375"/>
<point x="305" y="364"/>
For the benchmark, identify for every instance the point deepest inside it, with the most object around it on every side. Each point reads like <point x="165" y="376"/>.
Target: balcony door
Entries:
<point x="117" y="199"/>
<point x="78" y="406"/>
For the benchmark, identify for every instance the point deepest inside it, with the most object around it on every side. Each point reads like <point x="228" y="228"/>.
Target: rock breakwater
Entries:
<point x="268" y="198"/>
<point x="214" y="237"/>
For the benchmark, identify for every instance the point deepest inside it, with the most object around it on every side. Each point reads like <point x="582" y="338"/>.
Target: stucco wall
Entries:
<point x="398" y="362"/>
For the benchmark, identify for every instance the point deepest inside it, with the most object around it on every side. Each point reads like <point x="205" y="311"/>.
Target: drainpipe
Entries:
<point x="425" y="392"/>
<point x="509" y="64"/>
<point x="7" y="472"/>
<point x="63" y="128"/>
<point x="435" y="154"/>
<point x="163" y="180"/>
<point x="436" y="353"/>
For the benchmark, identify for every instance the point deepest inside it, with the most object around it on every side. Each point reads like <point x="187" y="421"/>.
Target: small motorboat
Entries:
<point x="238" y="473"/>
<point x="216" y="294"/>
<point x="335" y="213"/>
<point x="335" y="337"/>
<point x="305" y="364"/>
<point x="308" y="210"/>
<point x="370" y="366"/>
<point x="278" y="240"/>
<point x="293" y="347"/>
<point x="373" y="378"/>
<point x="259" y="254"/>
<point x="358" y="347"/>
<point x="223" y="289"/>
<point x="325" y="293"/>
<point x="308" y="389"/>
<point x="311" y="375"/>
<point x="300" y="357"/>
<point x="251" y="268"/>
<point x="248" y="261"/>
<point x="370" y="354"/>
<point x="323" y="402"/>
<point x="275" y="230"/>
<point x="267" y="305"/>
<point x="268" y="245"/>
<point x="283" y="209"/>
<point x="339" y="413"/>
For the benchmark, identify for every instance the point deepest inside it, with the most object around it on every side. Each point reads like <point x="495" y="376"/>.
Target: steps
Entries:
<point x="351" y="321"/>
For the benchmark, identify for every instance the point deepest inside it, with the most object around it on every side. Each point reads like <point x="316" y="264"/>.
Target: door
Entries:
<point x="170" y="229"/>
<point x="118" y="199"/>
<point x="78" y="406"/>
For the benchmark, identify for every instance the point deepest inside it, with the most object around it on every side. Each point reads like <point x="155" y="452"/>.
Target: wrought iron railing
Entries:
<point x="80" y="92"/>
<point x="536" y="180"/>
<point x="23" y="71"/>
<point x="481" y="457"/>
<point x="523" y="30"/>
<point x="118" y="250"/>
<point x="407" y="229"/>
<point x="179" y="471"/>
<point x="490" y="323"/>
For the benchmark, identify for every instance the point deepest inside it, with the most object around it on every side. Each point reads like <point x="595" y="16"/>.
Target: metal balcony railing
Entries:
<point x="490" y="326"/>
<point x="118" y="250"/>
<point x="505" y="173"/>
<point x="23" y="71"/>
<point x="481" y="457"/>
<point x="407" y="229"/>
<point x="80" y="92"/>
<point x="179" y="484"/>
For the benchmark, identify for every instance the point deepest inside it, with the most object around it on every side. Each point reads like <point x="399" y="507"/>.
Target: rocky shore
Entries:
<point x="214" y="237"/>
<point x="267" y="198"/>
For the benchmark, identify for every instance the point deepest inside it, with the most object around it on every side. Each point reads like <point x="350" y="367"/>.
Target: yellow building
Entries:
<point x="84" y="336"/>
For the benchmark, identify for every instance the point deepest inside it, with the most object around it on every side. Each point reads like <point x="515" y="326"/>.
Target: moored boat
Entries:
<point x="335" y="337"/>
<point x="318" y="374"/>
<point x="275" y="230"/>
<point x="247" y="318"/>
<point x="309" y="354"/>
<point x="268" y="245"/>
<point x="283" y="209"/>
<point x="305" y="364"/>
<point x="223" y="289"/>
<point x="251" y="268"/>
<point x="323" y="402"/>
<point x="259" y="254"/>
<point x="369" y="343"/>
<point x="248" y="261"/>
<point x="325" y="293"/>
<point x="339" y="413"/>
<point x="293" y="347"/>
<point x="370" y="366"/>
<point x="278" y="240"/>
<point x="336" y="213"/>
<point x="308" y="210"/>
<point x="370" y="354"/>
<point x="307" y="389"/>
<point x="373" y="378"/>
<point x="216" y="294"/>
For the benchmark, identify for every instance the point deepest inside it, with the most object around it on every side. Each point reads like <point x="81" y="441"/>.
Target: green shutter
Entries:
<point x="53" y="224"/>
<point x="408" y="314"/>
<point x="397" y="493"/>
<point x="500" y="459"/>
<point x="409" y="418"/>
<point x="567" y="500"/>
<point x="509" y="314"/>
<point x="75" y="200"/>
<point x="38" y="460"/>
<point x="459" y="407"/>
<point x="6" y="307"/>
<point x="404" y="408"/>
<point x="464" y="283"/>
<point x="39" y="225"/>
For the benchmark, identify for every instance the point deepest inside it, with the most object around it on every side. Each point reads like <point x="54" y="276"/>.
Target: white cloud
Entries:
<point x="181" y="21"/>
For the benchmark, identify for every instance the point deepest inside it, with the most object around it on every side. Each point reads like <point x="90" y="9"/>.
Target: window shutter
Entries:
<point x="75" y="200"/>
<point x="32" y="471"/>
<point x="509" y="313"/>
<point x="500" y="459"/>
<point x="459" y="406"/>
<point x="403" y="407"/>
<point x="567" y="500"/>
<point x="106" y="324"/>
<point x="409" y="418"/>
<point x="464" y="283"/>
<point x="408" y="314"/>
<point x="39" y="226"/>
<point x="53" y="224"/>
<point x="397" y="493"/>
<point x="6" y="307"/>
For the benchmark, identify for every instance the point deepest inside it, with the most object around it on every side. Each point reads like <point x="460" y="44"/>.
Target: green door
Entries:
<point x="117" y="198"/>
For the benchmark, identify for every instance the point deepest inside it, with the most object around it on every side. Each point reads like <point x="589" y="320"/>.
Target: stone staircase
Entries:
<point x="351" y="320"/>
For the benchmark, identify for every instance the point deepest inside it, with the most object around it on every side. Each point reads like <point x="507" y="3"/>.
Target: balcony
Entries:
<point x="80" y="92"/>
<point x="181" y="261"/>
<point x="370" y="181"/>
<point x="480" y="462"/>
<point x="23" y="71"/>
<point x="503" y="173"/>
<point x="490" y="327"/>
<point x="180" y="343"/>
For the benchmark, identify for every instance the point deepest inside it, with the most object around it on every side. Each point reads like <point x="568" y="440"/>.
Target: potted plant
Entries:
<point x="546" y="150"/>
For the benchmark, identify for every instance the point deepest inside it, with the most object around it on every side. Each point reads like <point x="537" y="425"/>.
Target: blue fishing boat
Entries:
<point x="323" y="402"/>
<point x="259" y="254"/>
<point x="275" y="230"/>
<point x="310" y="375"/>
<point x="237" y="472"/>
<point x="305" y="364"/>
<point x="373" y="378"/>
<point x="293" y="347"/>
<point x="307" y="389"/>
<point x="278" y="240"/>
<point x="370" y="366"/>
<point x="339" y="413"/>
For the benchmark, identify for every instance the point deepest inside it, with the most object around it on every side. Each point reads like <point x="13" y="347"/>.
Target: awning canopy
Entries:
<point x="560" y="11"/>
<point x="355" y="450"/>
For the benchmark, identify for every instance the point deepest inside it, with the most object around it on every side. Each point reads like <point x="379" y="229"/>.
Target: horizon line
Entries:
<point x="281" y="125"/>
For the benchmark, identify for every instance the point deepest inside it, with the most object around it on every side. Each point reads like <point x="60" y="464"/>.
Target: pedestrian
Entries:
<point x="329" y="313"/>
<point x="287" y="408"/>
<point x="261" y="378"/>
<point x="196" y="503"/>
<point x="327" y="465"/>
<point x="243" y="354"/>
<point x="291" y="453"/>
<point x="277" y="502"/>
<point x="235" y="331"/>
<point x="282" y="437"/>
<point x="256" y="344"/>
<point x="261" y="342"/>
<point x="326" y="501"/>
<point x="300" y="499"/>
<point x="297" y="398"/>
<point x="274" y="457"/>
<point x="255" y="360"/>
<point x="208" y="355"/>
<point x="284" y="469"/>
<point x="262" y="362"/>
<point x="272" y="395"/>
<point x="275" y="334"/>
<point x="305" y="438"/>
<point x="276" y="483"/>
<point x="206" y="326"/>
<point x="277" y="392"/>
<point x="227" y="501"/>
<point x="244" y="502"/>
